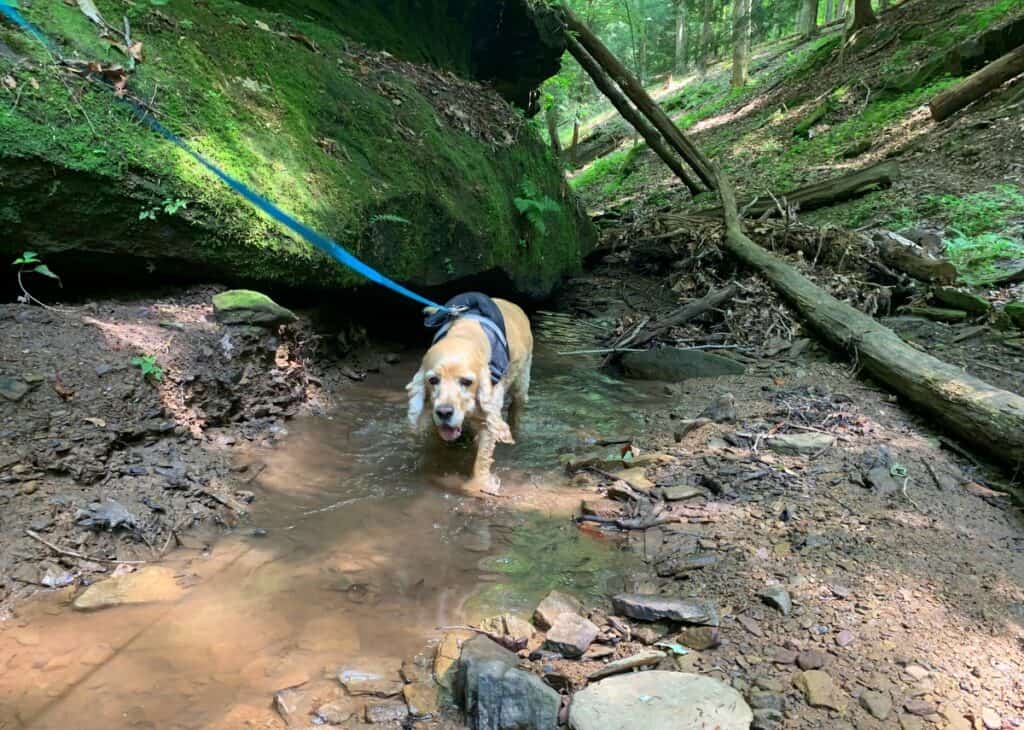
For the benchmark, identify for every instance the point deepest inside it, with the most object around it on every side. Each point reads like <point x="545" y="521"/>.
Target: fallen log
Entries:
<point x="691" y="310"/>
<point x="577" y="31"/>
<point x="990" y="418"/>
<point x="977" y="85"/>
<point x="903" y="257"/>
<point x="654" y="140"/>
<point x="822" y="194"/>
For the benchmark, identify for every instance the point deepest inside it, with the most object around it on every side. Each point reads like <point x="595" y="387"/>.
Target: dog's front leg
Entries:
<point x="483" y="480"/>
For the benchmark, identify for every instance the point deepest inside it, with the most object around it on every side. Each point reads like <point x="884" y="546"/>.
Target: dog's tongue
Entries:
<point x="450" y="433"/>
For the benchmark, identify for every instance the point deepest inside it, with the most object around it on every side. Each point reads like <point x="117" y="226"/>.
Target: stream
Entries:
<point x="358" y="545"/>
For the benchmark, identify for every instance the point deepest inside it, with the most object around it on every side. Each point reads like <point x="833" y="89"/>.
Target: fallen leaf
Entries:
<point x="62" y="390"/>
<point x="10" y="83"/>
<point x="34" y="84"/>
<point x="981" y="491"/>
<point x="97" y="422"/>
<point x="91" y="12"/>
<point x="262" y="26"/>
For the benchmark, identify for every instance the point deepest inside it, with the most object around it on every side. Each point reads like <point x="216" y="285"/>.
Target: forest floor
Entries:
<point x="902" y="552"/>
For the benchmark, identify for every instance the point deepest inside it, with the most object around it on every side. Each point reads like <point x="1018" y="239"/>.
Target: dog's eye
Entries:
<point x="434" y="380"/>
<point x="465" y="382"/>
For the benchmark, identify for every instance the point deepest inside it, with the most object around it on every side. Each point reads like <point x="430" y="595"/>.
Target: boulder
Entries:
<point x="648" y="607"/>
<point x="659" y="700"/>
<point x="243" y="306"/>
<point x="671" y="363"/>
<point x="151" y="584"/>
<point x="571" y="635"/>
<point x="496" y="695"/>
<point x="554" y="604"/>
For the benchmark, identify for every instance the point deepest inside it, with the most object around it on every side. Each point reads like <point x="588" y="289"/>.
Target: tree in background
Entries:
<point x="740" y="42"/>
<point x="863" y="15"/>
<point x="679" y="60"/>
<point x="809" y="26"/>
<point x="706" y="36"/>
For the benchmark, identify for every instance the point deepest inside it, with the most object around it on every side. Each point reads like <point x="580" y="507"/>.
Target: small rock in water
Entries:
<point x="628" y="664"/>
<point x="554" y="604"/>
<point x="777" y="597"/>
<point x="819" y="690"/>
<point x="700" y="638"/>
<point x="372" y="676"/>
<point x="513" y="627"/>
<point x="659" y="700"/>
<point x="649" y="607"/>
<point x="151" y="584"/>
<point x="571" y="635"/>
<point x="878" y="704"/>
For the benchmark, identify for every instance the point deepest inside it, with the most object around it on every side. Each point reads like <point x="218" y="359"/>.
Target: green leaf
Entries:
<point x="27" y="257"/>
<point x="45" y="271"/>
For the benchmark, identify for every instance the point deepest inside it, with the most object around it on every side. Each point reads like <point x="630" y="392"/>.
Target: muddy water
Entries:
<point x="360" y="544"/>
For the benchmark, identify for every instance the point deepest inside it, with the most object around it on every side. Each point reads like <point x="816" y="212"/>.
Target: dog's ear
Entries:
<point x="490" y="400"/>
<point x="417" y="400"/>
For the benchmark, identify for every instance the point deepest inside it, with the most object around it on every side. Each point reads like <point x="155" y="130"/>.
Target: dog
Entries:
<point x="478" y="358"/>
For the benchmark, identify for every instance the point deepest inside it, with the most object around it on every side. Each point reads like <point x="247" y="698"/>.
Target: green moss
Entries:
<point x="265" y="107"/>
<point x="978" y="213"/>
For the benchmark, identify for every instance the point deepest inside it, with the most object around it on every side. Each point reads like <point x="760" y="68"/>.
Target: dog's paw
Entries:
<point x="489" y="484"/>
<point x="502" y="432"/>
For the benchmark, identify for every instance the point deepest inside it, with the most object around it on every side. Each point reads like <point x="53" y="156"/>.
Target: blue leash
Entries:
<point x="322" y="242"/>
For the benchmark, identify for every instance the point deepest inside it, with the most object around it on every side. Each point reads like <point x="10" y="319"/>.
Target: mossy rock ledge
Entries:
<point x="390" y="126"/>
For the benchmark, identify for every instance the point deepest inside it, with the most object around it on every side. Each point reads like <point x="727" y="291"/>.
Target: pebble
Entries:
<point x="750" y="625"/>
<point x="819" y="690"/>
<point x="767" y="701"/>
<point x="910" y="722"/>
<point x="700" y="638"/>
<point x="921" y="708"/>
<point x="777" y="597"/>
<point x="990" y="719"/>
<point x="811" y="659"/>
<point x="878" y="704"/>
<point x="571" y="635"/>
<point x="784" y="656"/>
<point x="770" y="684"/>
<point x="916" y="672"/>
<point x="844" y="638"/>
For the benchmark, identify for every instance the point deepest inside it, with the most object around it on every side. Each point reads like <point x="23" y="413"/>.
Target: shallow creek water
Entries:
<point x="369" y="546"/>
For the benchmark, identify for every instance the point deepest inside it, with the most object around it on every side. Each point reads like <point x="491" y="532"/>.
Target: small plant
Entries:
<point x="389" y="218"/>
<point x="147" y="365"/>
<point x="449" y="266"/>
<point x="170" y="207"/>
<point x="535" y="206"/>
<point x="30" y="263"/>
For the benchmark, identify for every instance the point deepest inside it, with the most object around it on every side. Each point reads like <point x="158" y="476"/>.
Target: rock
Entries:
<point x="916" y="672"/>
<point x="960" y="299"/>
<point x="338" y="712"/>
<point x="109" y="513"/>
<point x="750" y="624"/>
<point x="761" y="700"/>
<point x="650" y="633"/>
<point x="628" y="664"/>
<point x="679" y="563"/>
<point x="13" y="389"/>
<point x="288" y="703"/>
<point x="649" y="607"/>
<point x="811" y="659"/>
<point x="151" y="584"/>
<point x="680" y="492"/>
<point x="447" y="657"/>
<point x="511" y="626"/>
<point x="554" y="604"/>
<point x="909" y="722"/>
<point x="784" y="656"/>
<point x="670" y="363"/>
<point x="700" y="638"/>
<point x="372" y="677"/>
<point x="770" y="684"/>
<point x="819" y="690"/>
<point x="598" y="652"/>
<point x="777" y="597"/>
<point x="601" y="507"/>
<point x="422" y="698"/>
<point x="878" y="704"/>
<point x="659" y="700"/>
<point x="766" y="719"/>
<point x="882" y="481"/>
<point x="636" y="476"/>
<point x="800" y="444"/>
<point x="496" y="695"/>
<point x="990" y="719"/>
<point x="477" y="538"/>
<point x="243" y="306"/>
<point x="570" y="635"/>
<point x="844" y="638"/>
<point x="955" y="719"/>
<point x="936" y="314"/>
<point x="921" y="708"/>
<point x="1014" y="312"/>
<point x="387" y="712"/>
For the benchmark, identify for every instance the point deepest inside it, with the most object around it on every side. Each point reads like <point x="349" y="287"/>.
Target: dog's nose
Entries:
<point x="444" y="412"/>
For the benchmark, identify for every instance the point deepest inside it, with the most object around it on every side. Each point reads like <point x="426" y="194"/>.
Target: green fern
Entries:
<point x="535" y="206"/>
<point x="389" y="218"/>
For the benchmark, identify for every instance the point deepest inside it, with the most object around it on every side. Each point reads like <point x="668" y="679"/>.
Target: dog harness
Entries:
<point x="479" y="307"/>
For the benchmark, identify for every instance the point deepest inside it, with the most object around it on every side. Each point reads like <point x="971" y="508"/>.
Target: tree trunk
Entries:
<point x="639" y="96"/>
<point x="704" y="52"/>
<point x="651" y="135"/>
<point x="810" y="18"/>
<point x="975" y="411"/>
<point x="977" y="85"/>
<point x="829" y="12"/>
<point x="740" y="42"/>
<point x="551" y="115"/>
<point x="863" y="15"/>
<point x="575" y="138"/>
<point x="679" y="62"/>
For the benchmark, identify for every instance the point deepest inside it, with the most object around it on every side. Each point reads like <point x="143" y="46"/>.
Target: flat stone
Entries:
<point x="990" y="719"/>
<point x="649" y="607"/>
<point x="680" y="492"/>
<point x="509" y="625"/>
<point x="766" y="719"/>
<point x="844" y="638"/>
<point x="811" y="659"/>
<point x="422" y="698"/>
<point x="761" y="700"/>
<point x="554" y="604"/>
<point x="13" y="389"/>
<point x="672" y="364"/>
<point x="151" y="584"/>
<point x="659" y="700"/>
<point x="784" y="656"/>
<point x="679" y="563"/>
<point x="636" y="476"/>
<point x="910" y="722"/>
<point x="700" y="638"/>
<point x="936" y="314"/>
<point x="386" y="712"/>
<point x="921" y="708"/>
<point x="777" y="597"/>
<point x="495" y="694"/>
<point x="916" y="672"/>
<point x="955" y="719"/>
<point x="338" y="711"/>
<point x="878" y="704"/>
<point x="628" y="664"/>
<point x="372" y="677"/>
<point x="800" y="444"/>
<point x="243" y="306"/>
<point x="571" y="635"/>
<point x="597" y="652"/>
<point x="819" y="690"/>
